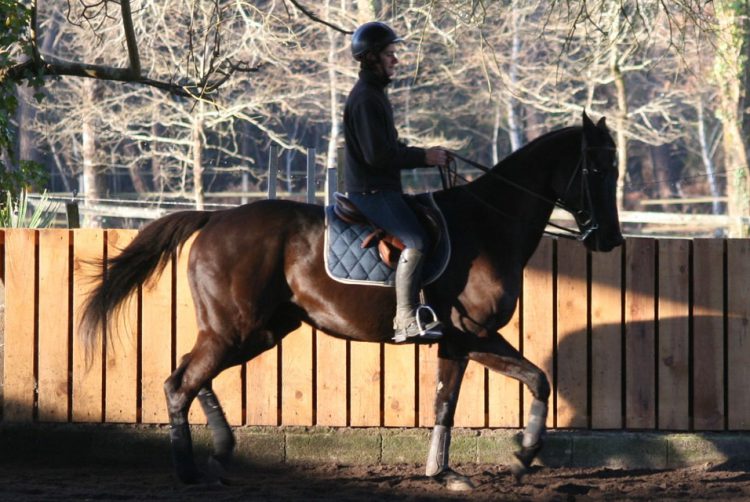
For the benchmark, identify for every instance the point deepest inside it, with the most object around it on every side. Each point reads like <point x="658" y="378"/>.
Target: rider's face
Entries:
<point x="388" y="60"/>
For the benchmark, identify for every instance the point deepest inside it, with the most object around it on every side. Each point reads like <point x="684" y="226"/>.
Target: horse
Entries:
<point x="256" y="272"/>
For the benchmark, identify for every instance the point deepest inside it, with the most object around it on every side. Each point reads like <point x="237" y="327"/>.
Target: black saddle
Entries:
<point x="390" y="246"/>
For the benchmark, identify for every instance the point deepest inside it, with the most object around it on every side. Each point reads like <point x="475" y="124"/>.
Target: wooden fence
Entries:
<point x="654" y="335"/>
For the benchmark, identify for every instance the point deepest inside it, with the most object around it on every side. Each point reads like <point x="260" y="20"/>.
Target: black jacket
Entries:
<point x="373" y="155"/>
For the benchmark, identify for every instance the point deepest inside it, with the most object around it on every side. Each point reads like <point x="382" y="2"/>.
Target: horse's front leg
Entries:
<point x="450" y="374"/>
<point x="499" y="355"/>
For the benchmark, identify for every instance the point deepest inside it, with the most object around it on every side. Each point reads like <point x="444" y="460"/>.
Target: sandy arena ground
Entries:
<point x="354" y="483"/>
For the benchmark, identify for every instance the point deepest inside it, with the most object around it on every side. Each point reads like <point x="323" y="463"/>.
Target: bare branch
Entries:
<point x="319" y="20"/>
<point x="132" y="43"/>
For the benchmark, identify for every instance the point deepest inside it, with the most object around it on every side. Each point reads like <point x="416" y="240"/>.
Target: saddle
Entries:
<point x="390" y="246"/>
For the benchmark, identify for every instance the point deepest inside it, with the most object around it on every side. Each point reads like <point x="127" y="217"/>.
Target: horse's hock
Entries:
<point x="299" y="398"/>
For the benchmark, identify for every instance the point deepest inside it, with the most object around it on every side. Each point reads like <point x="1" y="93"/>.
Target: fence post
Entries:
<point x="311" y="175"/>
<point x="71" y="210"/>
<point x="245" y="187"/>
<point x="332" y="178"/>
<point x="273" y="171"/>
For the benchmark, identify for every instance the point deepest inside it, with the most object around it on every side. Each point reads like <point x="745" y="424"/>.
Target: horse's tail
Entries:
<point x="147" y="254"/>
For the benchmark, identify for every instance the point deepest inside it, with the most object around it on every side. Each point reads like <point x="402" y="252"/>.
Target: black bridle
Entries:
<point x="583" y="215"/>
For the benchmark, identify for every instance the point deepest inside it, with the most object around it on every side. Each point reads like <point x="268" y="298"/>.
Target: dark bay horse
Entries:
<point x="256" y="272"/>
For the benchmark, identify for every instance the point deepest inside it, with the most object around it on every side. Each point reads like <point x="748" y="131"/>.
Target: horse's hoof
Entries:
<point x="520" y="467"/>
<point x="189" y="476"/>
<point x="454" y="481"/>
<point x="518" y="470"/>
<point x="197" y="477"/>
<point x="216" y="468"/>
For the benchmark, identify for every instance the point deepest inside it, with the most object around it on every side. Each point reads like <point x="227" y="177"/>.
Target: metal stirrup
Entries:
<point x="423" y="329"/>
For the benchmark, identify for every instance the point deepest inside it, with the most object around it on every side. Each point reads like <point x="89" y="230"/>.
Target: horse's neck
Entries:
<point x="518" y="194"/>
<point x="522" y="182"/>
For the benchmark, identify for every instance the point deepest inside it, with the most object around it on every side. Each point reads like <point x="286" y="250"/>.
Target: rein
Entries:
<point x="575" y="234"/>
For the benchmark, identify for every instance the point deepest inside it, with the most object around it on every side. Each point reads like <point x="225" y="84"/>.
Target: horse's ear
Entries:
<point x="587" y="123"/>
<point x="602" y="124"/>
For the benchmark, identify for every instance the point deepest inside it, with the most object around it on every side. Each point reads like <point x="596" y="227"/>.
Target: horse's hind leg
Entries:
<point x="497" y="354"/>
<point x="193" y="373"/>
<point x="221" y="433"/>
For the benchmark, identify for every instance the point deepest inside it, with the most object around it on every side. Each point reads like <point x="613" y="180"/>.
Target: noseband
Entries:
<point x="584" y="215"/>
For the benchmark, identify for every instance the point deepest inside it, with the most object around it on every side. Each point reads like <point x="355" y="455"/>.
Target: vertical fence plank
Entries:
<point x="399" y="385"/>
<point x="296" y="377"/>
<point x="262" y="389"/>
<point x="673" y="334"/>
<point x="470" y="410"/>
<point x="572" y="335"/>
<point x="121" y="389"/>
<point x="331" y="391"/>
<point x="88" y="257"/>
<point x="708" y="334"/>
<point x="156" y="344"/>
<point x="504" y="399"/>
<point x="606" y="340"/>
<point x="228" y="388"/>
<point x="20" y="285"/>
<point x="640" y="336"/>
<point x="428" y="368"/>
<point x="53" y="312"/>
<point x="738" y="334"/>
<point x="538" y="317"/>
<point x="365" y="384"/>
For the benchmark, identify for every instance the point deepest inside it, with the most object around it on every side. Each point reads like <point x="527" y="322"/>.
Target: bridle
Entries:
<point x="584" y="215"/>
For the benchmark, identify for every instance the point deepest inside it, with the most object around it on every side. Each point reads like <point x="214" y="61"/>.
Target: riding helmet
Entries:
<point x="372" y="37"/>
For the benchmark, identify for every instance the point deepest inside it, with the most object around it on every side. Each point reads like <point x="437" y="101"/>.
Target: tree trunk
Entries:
<point x="729" y="73"/>
<point x="197" y="138"/>
<point x="91" y="175"/>
<point x="708" y="161"/>
<point x="622" y="111"/>
<point x="333" y="41"/>
<point x="496" y="135"/>
<point x="515" y="130"/>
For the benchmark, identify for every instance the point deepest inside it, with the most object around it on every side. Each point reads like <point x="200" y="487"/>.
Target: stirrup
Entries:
<point x="414" y="328"/>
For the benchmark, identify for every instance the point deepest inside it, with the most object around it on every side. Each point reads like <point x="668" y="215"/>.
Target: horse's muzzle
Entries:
<point x="604" y="244"/>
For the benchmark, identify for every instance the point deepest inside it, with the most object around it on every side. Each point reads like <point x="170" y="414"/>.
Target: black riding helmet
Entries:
<point x="372" y="37"/>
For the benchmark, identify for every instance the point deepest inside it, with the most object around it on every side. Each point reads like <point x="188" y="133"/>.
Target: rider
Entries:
<point x="373" y="160"/>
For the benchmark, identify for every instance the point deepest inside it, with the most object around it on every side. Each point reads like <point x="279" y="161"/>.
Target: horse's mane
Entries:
<point x="534" y="144"/>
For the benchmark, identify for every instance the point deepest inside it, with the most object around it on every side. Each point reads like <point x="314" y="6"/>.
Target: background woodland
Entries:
<point x="182" y="100"/>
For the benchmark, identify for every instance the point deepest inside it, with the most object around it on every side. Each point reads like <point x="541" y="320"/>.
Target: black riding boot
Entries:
<point x="412" y="319"/>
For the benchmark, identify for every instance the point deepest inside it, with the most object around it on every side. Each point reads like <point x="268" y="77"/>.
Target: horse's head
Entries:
<point x="591" y="192"/>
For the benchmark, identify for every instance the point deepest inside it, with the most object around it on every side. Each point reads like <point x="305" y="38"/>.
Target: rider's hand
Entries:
<point x="436" y="156"/>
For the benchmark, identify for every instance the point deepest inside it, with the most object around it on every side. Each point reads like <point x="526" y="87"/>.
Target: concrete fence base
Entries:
<point x="49" y="444"/>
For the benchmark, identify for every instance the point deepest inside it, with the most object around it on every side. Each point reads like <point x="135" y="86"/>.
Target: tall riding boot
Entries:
<point x="412" y="319"/>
